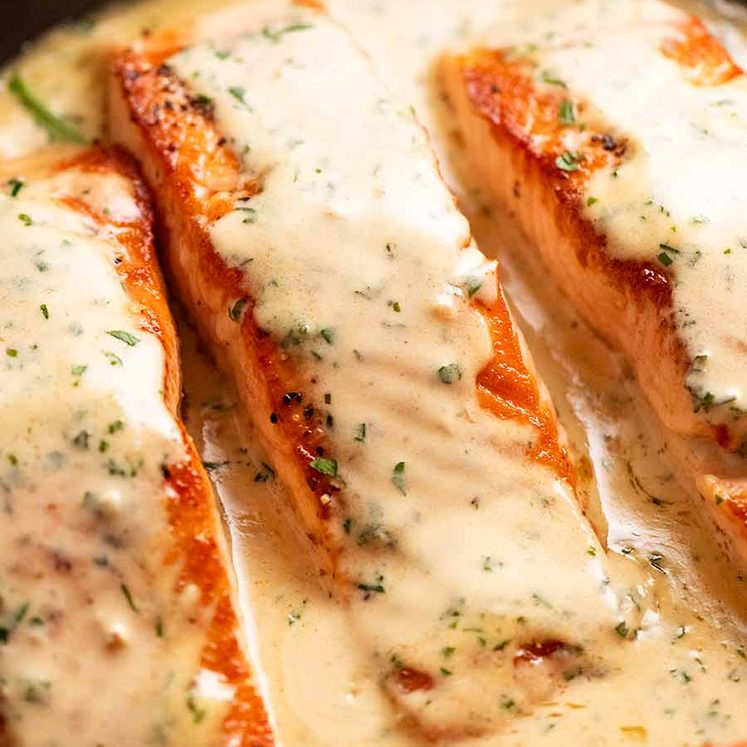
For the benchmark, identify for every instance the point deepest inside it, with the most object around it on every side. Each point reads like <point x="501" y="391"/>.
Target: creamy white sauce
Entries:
<point x="645" y="695"/>
<point x="85" y="600"/>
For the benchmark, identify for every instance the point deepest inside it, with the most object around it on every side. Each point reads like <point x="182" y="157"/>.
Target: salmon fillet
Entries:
<point x="117" y="614"/>
<point x="593" y="171"/>
<point x="549" y="146"/>
<point x="382" y="379"/>
<point x="198" y="179"/>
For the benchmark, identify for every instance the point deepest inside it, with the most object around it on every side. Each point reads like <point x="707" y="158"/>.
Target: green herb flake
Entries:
<point x="37" y="691"/>
<point x="450" y="373"/>
<point x="328" y="334"/>
<point x="324" y="466"/>
<point x="198" y="714"/>
<point x="376" y="588"/>
<point x="665" y="259"/>
<point x="21" y="612"/>
<point x="57" y="128"/>
<point x="398" y="478"/>
<point x="568" y="161"/>
<point x="250" y="215"/>
<point x="25" y="218"/>
<point x="44" y="310"/>
<point x="567" y="113"/>
<point x="275" y="35"/>
<point x="11" y="352"/>
<point x="591" y="201"/>
<point x="265" y="474"/>
<point x="114" y="426"/>
<point x="15" y="186"/>
<point x="237" y="310"/>
<point x="360" y="432"/>
<point x="128" y="596"/>
<point x="123" y="336"/>
<point x="239" y="93"/>
<point x="550" y="79"/>
<point x="113" y="358"/>
<point x="473" y="285"/>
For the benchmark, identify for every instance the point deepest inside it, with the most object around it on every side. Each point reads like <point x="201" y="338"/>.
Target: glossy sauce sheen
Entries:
<point x="678" y="682"/>
<point x="116" y="617"/>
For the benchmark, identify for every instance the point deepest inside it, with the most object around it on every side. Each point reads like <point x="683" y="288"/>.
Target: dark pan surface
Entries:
<point x="21" y="20"/>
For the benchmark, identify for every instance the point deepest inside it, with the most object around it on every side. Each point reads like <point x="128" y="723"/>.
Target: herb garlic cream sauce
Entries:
<point x="654" y="621"/>
<point x="85" y="600"/>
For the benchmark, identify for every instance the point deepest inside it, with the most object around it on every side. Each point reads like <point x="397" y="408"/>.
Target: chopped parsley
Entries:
<point x="198" y="714"/>
<point x="114" y="426"/>
<point x="567" y="113"/>
<point x="25" y="219"/>
<point x="275" y="35"/>
<point x="15" y="186"/>
<point x="665" y="259"/>
<point x="324" y="466"/>
<point x="237" y="310"/>
<point x="398" y="478"/>
<point x="473" y="285"/>
<point x="250" y="215"/>
<point x="450" y="373"/>
<point x="622" y="629"/>
<point x="128" y="596"/>
<point x="125" y="337"/>
<point x="44" y="310"/>
<point x="375" y="588"/>
<point x="550" y="79"/>
<point x="239" y="93"/>
<point x="568" y="161"/>
<point x="113" y="358"/>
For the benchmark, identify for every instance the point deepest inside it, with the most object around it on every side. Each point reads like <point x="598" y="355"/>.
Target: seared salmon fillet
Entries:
<point x="315" y="246"/>
<point x="618" y="142"/>
<point x="594" y="172"/>
<point x="117" y="613"/>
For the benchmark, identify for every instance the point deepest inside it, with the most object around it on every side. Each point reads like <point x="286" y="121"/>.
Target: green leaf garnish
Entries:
<point x="57" y="129"/>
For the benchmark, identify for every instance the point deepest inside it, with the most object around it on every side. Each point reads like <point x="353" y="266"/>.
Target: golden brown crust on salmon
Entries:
<point x="197" y="179"/>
